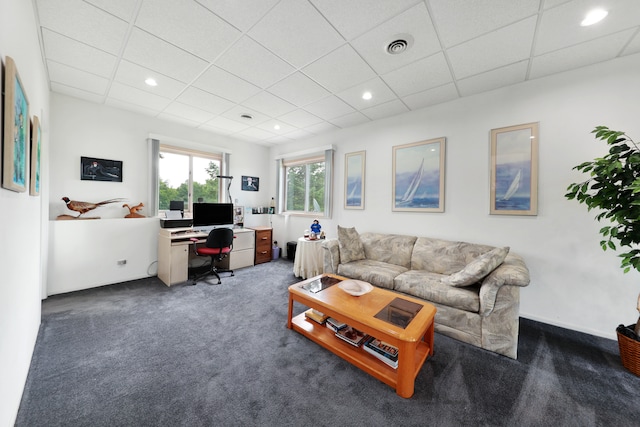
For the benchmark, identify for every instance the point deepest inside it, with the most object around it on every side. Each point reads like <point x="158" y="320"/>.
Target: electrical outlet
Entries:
<point x="122" y="261"/>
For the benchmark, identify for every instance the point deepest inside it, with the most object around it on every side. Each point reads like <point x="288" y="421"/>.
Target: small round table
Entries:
<point x="309" y="258"/>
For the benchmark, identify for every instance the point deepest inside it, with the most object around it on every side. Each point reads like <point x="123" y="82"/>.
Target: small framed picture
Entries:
<point x="354" y="166"/>
<point x="250" y="183"/>
<point x="93" y="169"/>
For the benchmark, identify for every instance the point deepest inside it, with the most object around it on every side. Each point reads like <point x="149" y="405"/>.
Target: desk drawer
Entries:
<point x="243" y="240"/>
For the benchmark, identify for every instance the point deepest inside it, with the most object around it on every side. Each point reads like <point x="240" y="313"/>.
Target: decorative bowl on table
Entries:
<point x="355" y="287"/>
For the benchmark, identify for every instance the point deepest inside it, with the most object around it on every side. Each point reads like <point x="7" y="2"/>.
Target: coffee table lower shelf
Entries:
<point x="325" y="337"/>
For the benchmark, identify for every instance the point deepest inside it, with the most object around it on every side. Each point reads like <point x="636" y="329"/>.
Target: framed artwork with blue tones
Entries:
<point x="514" y="170"/>
<point x="16" y="130"/>
<point x="354" y="167"/>
<point x="36" y="146"/>
<point x="418" y="176"/>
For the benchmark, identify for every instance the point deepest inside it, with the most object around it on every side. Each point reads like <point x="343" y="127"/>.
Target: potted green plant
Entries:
<point x="613" y="188"/>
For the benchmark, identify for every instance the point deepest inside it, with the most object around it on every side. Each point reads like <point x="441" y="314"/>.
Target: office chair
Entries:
<point x="218" y="245"/>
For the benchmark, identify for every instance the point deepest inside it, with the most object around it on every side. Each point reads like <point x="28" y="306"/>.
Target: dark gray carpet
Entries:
<point x="142" y="354"/>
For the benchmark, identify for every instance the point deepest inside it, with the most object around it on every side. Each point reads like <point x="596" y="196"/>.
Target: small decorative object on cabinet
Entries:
<point x="263" y="244"/>
<point x="84" y="207"/>
<point x="133" y="210"/>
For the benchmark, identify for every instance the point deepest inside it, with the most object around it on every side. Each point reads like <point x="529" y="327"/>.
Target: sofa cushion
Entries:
<point x="429" y="286"/>
<point x="477" y="269"/>
<point x="391" y="248"/>
<point x="377" y="273"/>
<point x="351" y="248"/>
<point x="444" y="256"/>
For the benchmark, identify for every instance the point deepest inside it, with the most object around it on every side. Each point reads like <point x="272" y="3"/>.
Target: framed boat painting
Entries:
<point x="418" y="176"/>
<point x="514" y="170"/>
<point x="16" y="130"/>
<point x="354" y="166"/>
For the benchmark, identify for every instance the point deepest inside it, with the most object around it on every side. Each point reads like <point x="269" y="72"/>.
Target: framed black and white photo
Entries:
<point x="250" y="183"/>
<point x="94" y="169"/>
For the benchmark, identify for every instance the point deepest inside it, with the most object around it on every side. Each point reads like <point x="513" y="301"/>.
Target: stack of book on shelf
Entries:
<point x="383" y="351"/>
<point x="351" y="335"/>
<point x="335" y="325"/>
<point x="316" y="316"/>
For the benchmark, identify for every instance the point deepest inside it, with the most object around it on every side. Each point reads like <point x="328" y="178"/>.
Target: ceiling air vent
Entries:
<point x="397" y="46"/>
<point x="246" y="116"/>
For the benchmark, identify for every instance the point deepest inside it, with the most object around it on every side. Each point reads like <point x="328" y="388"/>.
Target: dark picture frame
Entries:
<point x="250" y="183"/>
<point x="94" y="169"/>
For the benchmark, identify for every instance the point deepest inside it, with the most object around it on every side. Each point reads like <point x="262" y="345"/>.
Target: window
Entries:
<point x="305" y="185"/>
<point x="188" y="176"/>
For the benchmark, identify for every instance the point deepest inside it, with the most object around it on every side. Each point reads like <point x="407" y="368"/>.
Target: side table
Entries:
<point x="309" y="258"/>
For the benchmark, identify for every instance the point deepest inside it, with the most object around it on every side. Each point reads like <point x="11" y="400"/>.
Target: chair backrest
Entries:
<point x="220" y="238"/>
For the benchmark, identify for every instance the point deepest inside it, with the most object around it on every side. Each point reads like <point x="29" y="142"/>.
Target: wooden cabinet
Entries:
<point x="263" y="244"/>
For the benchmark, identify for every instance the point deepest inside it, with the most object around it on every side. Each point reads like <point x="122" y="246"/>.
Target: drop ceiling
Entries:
<point x="299" y="67"/>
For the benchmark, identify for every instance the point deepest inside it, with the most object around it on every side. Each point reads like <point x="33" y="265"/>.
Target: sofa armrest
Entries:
<point x="513" y="271"/>
<point x="331" y="256"/>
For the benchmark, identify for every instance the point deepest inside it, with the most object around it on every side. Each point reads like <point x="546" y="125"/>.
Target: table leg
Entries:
<point x="290" y="316"/>
<point x="406" y="367"/>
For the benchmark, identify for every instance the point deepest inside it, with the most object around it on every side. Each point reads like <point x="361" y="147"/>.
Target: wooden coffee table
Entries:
<point x="414" y="342"/>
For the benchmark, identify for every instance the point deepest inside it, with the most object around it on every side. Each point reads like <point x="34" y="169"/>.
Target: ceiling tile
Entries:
<point x="340" y="69"/>
<point x="188" y="112"/>
<point x="269" y="104"/>
<point x="252" y="62"/>
<point x="255" y="133"/>
<point x="82" y="21"/>
<point x="178" y="119"/>
<point x="239" y="110"/>
<point x="135" y="96"/>
<point x="421" y="75"/>
<point x="242" y="15"/>
<point x="351" y="119"/>
<point x="205" y="101"/>
<point x="298" y="134"/>
<point x="116" y="103"/>
<point x="633" y="46"/>
<point x="504" y="76"/>
<point x="226" y="85"/>
<point x="134" y="75"/>
<point x="581" y="55"/>
<point x="414" y="24"/>
<point x="226" y="124"/>
<point x="429" y="97"/>
<point x="123" y="9"/>
<point x="214" y="129"/>
<point x="379" y="90"/>
<point x="158" y="55"/>
<point x="76" y="93"/>
<point x="188" y="25"/>
<point x="280" y="139"/>
<point x="462" y="20"/>
<point x="67" y="51"/>
<point x="300" y="118"/>
<point x="68" y="76"/>
<point x="270" y="126"/>
<point x="298" y="89"/>
<point x="321" y="128"/>
<point x="355" y="17"/>
<point x="560" y="26"/>
<point x="494" y="50"/>
<point x="296" y="32"/>
<point x="329" y="108"/>
<point x="387" y="109"/>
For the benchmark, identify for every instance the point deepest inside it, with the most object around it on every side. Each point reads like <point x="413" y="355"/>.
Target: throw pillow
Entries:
<point x="351" y="248"/>
<point x="478" y="268"/>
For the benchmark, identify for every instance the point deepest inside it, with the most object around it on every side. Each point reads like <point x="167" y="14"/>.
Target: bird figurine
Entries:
<point x="84" y="207"/>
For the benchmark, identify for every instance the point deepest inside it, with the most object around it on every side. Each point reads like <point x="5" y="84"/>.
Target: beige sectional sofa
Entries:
<point x="475" y="288"/>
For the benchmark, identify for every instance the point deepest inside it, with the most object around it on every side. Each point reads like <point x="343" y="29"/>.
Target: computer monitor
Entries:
<point x="207" y="216"/>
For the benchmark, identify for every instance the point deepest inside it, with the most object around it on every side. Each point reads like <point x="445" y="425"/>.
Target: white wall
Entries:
<point x="573" y="282"/>
<point x="81" y="128"/>
<point x="22" y="228"/>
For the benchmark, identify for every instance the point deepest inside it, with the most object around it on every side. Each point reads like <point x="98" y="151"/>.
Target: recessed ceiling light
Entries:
<point x="367" y="96"/>
<point x="246" y="116"/>
<point x="593" y="17"/>
<point x="277" y="127"/>
<point x="151" y="82"/>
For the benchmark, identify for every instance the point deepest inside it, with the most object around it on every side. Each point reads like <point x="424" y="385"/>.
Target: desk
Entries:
<point x="175" y="252"/>
<point x="309" y="258"/>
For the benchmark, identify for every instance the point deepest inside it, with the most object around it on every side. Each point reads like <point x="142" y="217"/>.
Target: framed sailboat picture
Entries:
<point x="354" y="166"/>
<point x="418" y="176"/>
<point x="514" y="170"/>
